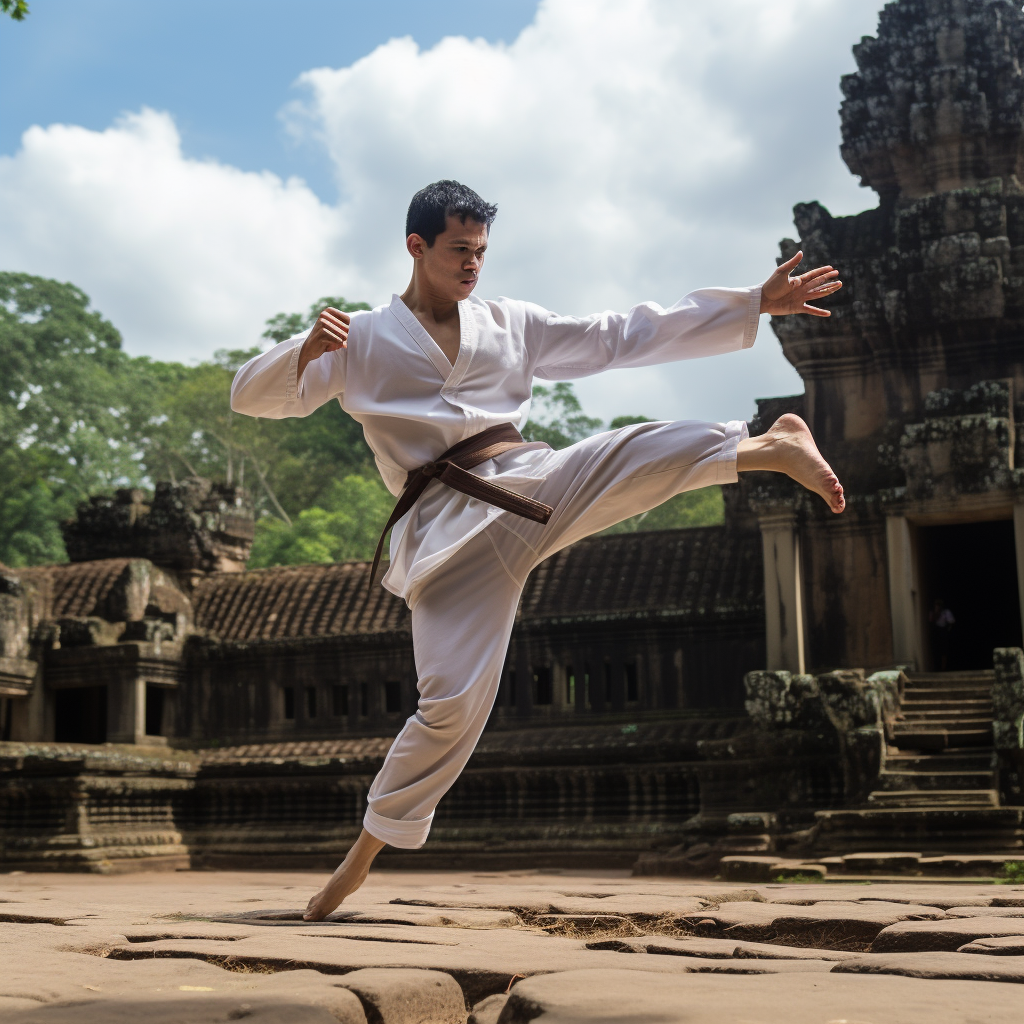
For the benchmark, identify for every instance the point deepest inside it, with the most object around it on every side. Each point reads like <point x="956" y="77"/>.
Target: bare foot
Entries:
<point x="351" y="874"/>
<point x="789" y="448"/>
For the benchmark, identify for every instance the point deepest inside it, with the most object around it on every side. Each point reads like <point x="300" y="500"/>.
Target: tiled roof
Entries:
<point x="701" y="573"/>
<point x="74" y="589"/>
<point x="296" y="601"/>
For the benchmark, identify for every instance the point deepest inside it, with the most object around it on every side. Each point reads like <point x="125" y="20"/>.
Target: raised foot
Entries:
<point x="789" y="448"/>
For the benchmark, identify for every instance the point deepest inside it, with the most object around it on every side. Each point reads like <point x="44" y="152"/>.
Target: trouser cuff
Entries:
<point x="405" y="835"/>
<point x="735" y="431"/>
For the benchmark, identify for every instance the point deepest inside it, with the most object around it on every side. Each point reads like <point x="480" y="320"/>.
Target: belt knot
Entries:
<point x="431" y="469"/>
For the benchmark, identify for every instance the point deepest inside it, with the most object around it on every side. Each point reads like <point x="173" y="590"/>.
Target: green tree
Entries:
<point x="558" y="417"/>
<point x="73" y="411"/>
<point x="354" y="511"/>
<point x="17" y="9"/>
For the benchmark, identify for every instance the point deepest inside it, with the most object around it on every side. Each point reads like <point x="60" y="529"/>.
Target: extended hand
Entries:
<point x="782" y="294"/>
<point x="329" y="333"/>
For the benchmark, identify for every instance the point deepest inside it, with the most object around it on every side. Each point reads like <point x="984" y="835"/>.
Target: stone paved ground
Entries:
<point x="205" y="947"/>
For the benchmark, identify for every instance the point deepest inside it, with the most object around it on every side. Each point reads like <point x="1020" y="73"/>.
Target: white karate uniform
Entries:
<point x="459" y="562"/>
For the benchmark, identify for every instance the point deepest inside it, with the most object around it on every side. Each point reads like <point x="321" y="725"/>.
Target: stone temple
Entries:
<point x="781" y="685"/>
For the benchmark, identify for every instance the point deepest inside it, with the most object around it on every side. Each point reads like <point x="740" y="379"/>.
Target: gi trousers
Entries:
<point x="462" y="615"/>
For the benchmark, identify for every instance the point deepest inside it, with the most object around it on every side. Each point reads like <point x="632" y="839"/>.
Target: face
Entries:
<point x="451" y="266"/>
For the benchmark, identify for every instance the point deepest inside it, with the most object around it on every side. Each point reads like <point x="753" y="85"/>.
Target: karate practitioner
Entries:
<point x="439" y="367"/>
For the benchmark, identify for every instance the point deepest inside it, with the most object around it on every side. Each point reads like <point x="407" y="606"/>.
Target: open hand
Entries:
<point x="329" y="333"/>
<point x="782" y="294"/>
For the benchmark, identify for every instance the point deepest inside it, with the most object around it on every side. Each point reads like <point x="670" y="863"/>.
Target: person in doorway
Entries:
<point x="441" y="381"/>
<point x="942" y="622"/>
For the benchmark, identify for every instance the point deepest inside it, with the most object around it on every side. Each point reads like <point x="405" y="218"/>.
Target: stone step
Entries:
<point x="952" y="760"/>
<point x="945" y="715"/>
<point x="934" y="798"/>
<point x="947" y="693"/>
<point x="940" y="829"/>
<point x="967" y="704"/>
<point x="936" y="737"/>
<point x="952" y="678"/>
<point x="935" y="780"/>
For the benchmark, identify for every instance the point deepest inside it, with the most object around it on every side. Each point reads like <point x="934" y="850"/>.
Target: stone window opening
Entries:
<point x="289" y="702"/>
<point x="543" y="691"/>
<point x="339" y="701"/>
<point x="311" y="702"/>
<point x="155" y="708"/>
<point x="364" y="700"/>
<point x="632" y="686"/>
<point x="80" y="715"/>
<point x="392" y="697"/>
<point x="570" y="686"/>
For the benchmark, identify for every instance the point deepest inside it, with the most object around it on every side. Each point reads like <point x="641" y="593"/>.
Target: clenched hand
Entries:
<point x="329" y="333"/>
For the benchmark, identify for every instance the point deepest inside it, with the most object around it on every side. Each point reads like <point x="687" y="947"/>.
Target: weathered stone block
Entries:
<point x="784" y="700"/>
<point x="188" y="526"/>
<point x="405" y="996"/>
<point x="1008" y="699"/>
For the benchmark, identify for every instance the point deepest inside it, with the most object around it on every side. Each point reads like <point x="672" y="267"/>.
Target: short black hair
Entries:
<point x="432" y="206"/>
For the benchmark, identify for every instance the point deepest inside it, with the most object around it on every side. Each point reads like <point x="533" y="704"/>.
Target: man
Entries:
<point x="440" y="379"/>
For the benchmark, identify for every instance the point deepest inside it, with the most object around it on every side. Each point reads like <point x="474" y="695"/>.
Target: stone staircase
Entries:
<point x="938" y="788"/>
<point x="944" y="755"/>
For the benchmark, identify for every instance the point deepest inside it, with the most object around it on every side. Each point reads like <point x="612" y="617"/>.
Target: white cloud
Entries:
<point x="637" y="149"/>
<point x="185" y="256"/>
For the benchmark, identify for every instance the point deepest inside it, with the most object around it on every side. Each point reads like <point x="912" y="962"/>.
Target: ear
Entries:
<point x="416" y="245"/>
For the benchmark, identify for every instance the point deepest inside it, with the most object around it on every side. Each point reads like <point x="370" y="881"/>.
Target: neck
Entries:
<point x="422" y="298"/>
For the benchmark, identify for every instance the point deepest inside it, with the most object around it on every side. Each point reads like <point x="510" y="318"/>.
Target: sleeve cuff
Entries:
<point x="753" y="317"/>
<point x="291" y="386"/>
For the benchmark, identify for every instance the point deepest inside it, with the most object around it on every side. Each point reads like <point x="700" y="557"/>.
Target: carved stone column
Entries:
<point x="904" y="593"/>
<point x="783" y="592"/>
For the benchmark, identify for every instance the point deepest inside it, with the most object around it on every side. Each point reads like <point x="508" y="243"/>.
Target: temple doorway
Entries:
<point x="970" y="600"/>
<point x="80" y="715"/>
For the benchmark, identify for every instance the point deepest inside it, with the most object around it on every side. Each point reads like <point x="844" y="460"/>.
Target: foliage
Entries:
<point x="558" y="418"/>
<point x="704" y="507"/>
<point x="345" y="526"/>
<point x="627" y="421"/>
<point x="73" y="412"/>
<point x="17" y="9"/>
<point x="286" y="325"/>
<point x="1012" y="873"/>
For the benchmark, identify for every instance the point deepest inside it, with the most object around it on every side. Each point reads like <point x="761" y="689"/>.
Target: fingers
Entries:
<point x="824" y="289"/>
<point x="331" y="329"/>
<point x="794" y="261"/>
<point x="815" y="311"/>
<point x="817" y="276"/>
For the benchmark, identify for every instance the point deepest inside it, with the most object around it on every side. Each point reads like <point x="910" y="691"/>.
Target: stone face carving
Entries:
<point x="194" y="525"/>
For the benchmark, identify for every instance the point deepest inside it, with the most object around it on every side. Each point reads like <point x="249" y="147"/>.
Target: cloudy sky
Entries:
<point x="197" y="167"/>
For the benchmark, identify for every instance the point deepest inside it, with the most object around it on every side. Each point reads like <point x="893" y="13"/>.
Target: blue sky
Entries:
<point x="224" y="67"/>
<point x="198" y="167"/>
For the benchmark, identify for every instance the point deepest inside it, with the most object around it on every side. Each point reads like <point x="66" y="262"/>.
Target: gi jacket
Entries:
<point x="413" y="404"/>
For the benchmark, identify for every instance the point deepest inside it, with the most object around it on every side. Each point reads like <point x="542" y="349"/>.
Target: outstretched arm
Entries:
<point x="782" y="294"/>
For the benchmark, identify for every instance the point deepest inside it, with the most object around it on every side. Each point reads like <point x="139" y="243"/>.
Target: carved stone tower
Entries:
<point x="914" y="385"/>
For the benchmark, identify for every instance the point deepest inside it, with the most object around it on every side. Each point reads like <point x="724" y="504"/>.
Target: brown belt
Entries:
<point x="450" y="468"/>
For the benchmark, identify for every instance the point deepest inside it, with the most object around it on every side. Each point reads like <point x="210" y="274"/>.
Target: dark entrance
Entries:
<point x="972" y="569"/>
<point x="80" y="715"/>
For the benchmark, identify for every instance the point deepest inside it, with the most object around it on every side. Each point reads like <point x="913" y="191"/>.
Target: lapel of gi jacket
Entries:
<point x="418" y="333"/>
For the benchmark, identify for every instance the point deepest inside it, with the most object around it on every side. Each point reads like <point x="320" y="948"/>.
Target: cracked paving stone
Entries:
<point x="950" y="934"/>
